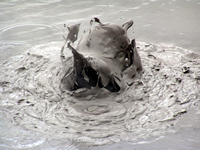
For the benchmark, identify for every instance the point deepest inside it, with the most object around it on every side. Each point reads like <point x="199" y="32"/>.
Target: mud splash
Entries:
<point x="167" y="87"/>
<point x="104" y="59"/>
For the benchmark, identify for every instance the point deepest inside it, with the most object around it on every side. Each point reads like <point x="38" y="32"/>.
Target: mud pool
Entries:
<point x="161" y="99"/>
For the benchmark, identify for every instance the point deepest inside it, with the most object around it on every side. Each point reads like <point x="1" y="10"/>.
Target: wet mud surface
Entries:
<point x="167" y="88"/>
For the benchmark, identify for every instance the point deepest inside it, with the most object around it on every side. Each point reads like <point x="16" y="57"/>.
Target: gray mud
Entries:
<point x="167" y="88"/>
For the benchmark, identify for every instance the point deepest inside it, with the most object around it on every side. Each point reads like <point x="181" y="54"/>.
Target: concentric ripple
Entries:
<point x="167" y="88"/>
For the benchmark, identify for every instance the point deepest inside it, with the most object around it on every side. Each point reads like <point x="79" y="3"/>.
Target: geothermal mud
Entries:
<point x="167" y="88"/>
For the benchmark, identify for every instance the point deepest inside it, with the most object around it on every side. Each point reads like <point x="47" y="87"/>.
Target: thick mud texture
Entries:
<point x="167" y="87"/>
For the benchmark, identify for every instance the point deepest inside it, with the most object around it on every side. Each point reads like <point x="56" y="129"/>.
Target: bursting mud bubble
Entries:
<point x="166" y="88"/>
<point x="104" y="60"/>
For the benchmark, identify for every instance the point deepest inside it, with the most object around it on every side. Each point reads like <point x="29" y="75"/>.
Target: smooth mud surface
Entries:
<point x="167" y="87"/>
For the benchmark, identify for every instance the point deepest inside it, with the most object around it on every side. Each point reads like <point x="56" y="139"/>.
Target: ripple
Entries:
<point x="156" y="98"/>
<point x="13" y="26"/>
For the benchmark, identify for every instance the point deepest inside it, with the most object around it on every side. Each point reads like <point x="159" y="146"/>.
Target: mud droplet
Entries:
<point x="186" y="69"/>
